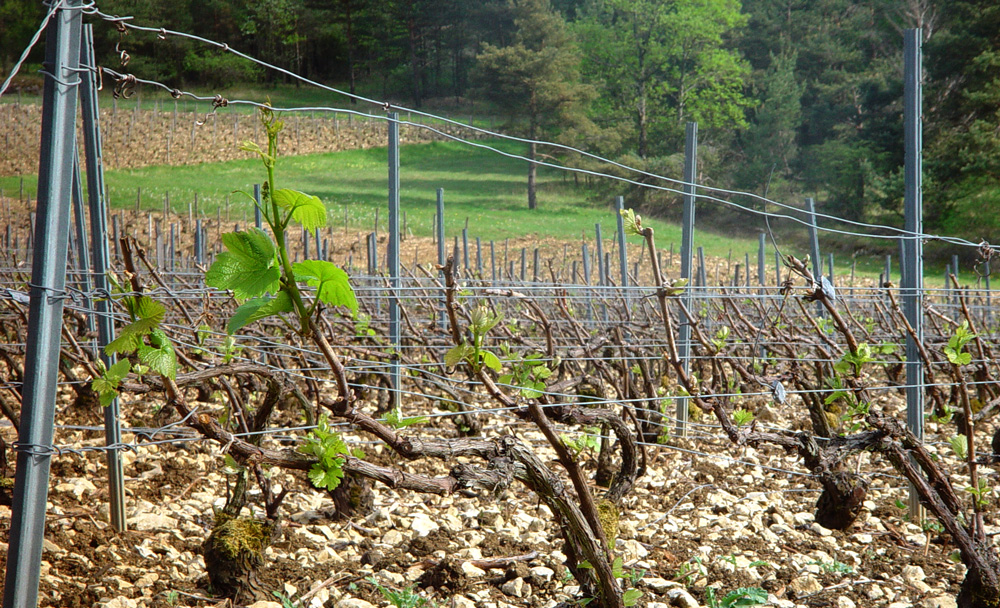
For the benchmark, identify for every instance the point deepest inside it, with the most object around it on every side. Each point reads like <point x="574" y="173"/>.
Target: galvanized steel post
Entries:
<point x="913" y="277"/>
<point x="817" y="264"/>
<point x="622" y="247"/>
<point x="440" y="245"/>
<point x="45" y="309"/>
<point x="393" y="261"/>
<point x="96" y="192"/>
<point x="687" y="249"/>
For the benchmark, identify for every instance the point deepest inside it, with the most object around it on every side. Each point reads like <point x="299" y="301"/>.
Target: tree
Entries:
<point x="18" y="21"/>
<point x="666" y="62"/>
<point x="536" y="77"/>
<point x="769" y="143"/>
<point x="963" y="105"/>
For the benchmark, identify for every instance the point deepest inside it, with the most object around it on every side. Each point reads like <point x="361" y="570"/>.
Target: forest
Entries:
<point x="793" y="98"/>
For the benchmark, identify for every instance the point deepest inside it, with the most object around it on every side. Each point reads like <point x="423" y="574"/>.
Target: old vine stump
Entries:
<point x="234" y="557"/>
<point x="841" y="501"/>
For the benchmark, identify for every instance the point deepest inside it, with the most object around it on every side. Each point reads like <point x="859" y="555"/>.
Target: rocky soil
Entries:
<point x="706" y="514"/>
<point x="137" y="138"/>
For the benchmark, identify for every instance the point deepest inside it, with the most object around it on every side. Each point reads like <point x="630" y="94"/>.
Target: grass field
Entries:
<point x="487" y="189"/>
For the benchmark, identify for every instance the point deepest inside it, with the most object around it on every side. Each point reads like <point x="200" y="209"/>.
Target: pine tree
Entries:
<point x="536" y="78"/>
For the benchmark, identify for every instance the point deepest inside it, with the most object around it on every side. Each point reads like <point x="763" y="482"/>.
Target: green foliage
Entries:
<point x="286" y="602"/>
<point x="852" y="362"/>
<point x="742" y="417"/>
<point x="944" y="416"/>
<point x="960" y="446"/>
<point x="146" y="314"/>
<point x="332" y="284"/>
<point x="744" y="596"/>
<point x="675" y="287"/>
<point x="401" y="598"/>
<point x="331" y="452"/>
<point x="955" y="350"/>
<point x="248" y="267"/>
<point x="981" y="493"/>
<point x="839" y="391"/>
<point x="690" y="571"/>
<point x="231" y="467"/>
<point x="394" y="419"/>
<point x="658" y="64"/>
<point x="528" y="374"/>
<point x="535" y="77"/>
<point x="159" y="355"/>
<point x="834" y="567"/>
<point x="633" y="222"/>
<point x="588" y="441"/>
<point x="259" y="308"/>
<point x="305" y="209"/>
<point x="481" y="320"/>
<point x="144" y="337"/>
<point x="721" y="335"/>
<point x="256" y="269"/>
<point x="106" y="385"/>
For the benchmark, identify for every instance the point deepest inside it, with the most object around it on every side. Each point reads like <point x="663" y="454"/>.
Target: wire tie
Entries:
<point x="62" y="82"/>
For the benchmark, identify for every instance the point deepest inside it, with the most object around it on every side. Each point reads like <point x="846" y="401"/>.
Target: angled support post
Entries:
<point x="101" y="257"/>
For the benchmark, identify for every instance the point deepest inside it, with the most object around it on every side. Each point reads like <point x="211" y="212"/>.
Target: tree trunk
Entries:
<point x="415" y="68"/>
<point x="532" y="174"/>
<point x="532" y="167"/>
<point x="642" y="123"/>
<point x="349" y="26"/>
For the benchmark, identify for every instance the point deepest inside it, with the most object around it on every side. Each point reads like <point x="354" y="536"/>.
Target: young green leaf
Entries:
<point x="106" y="385"/>
<point x="491" y="361"/>
<point x="632" y="222"/>
<point x="457" y="354"/>
<point x="332" y="283"/>
<point x="306" y="209"/>
<point x="959" y="445"/>
<point x="160" y="357"/>
<point x="257" y="309"/>
<point x="248" y="267"/>
<point x="148" y="315"/>
<point x="745" y="596"/>
<point x="631" y="597"/>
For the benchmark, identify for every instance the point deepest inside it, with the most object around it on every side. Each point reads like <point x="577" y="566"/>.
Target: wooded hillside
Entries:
<point x="796" y="97"/>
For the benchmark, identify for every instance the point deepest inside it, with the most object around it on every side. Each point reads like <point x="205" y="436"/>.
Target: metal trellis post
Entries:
<point x="96" y="193"/>
<point x="440" y="245"/>
<point x="913" y="279"/>
<point x="45" y="309"/>
<point x="393" y="261"/>
<point x="687" y="249"/>
<point x="258" y="221"/>
<point x="622" y="248"/>
<point x="817" y="264"/>
<point x="761" y="270"/>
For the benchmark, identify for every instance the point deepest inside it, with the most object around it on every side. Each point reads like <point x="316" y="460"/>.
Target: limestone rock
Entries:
<point x="353" y="602"/>
<point x="681" y="599"/>
<point x="940" y="601"/>
<point x="146" y="522"/>
<point x="516" y="588"/>
<point x="804" y="585"/>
